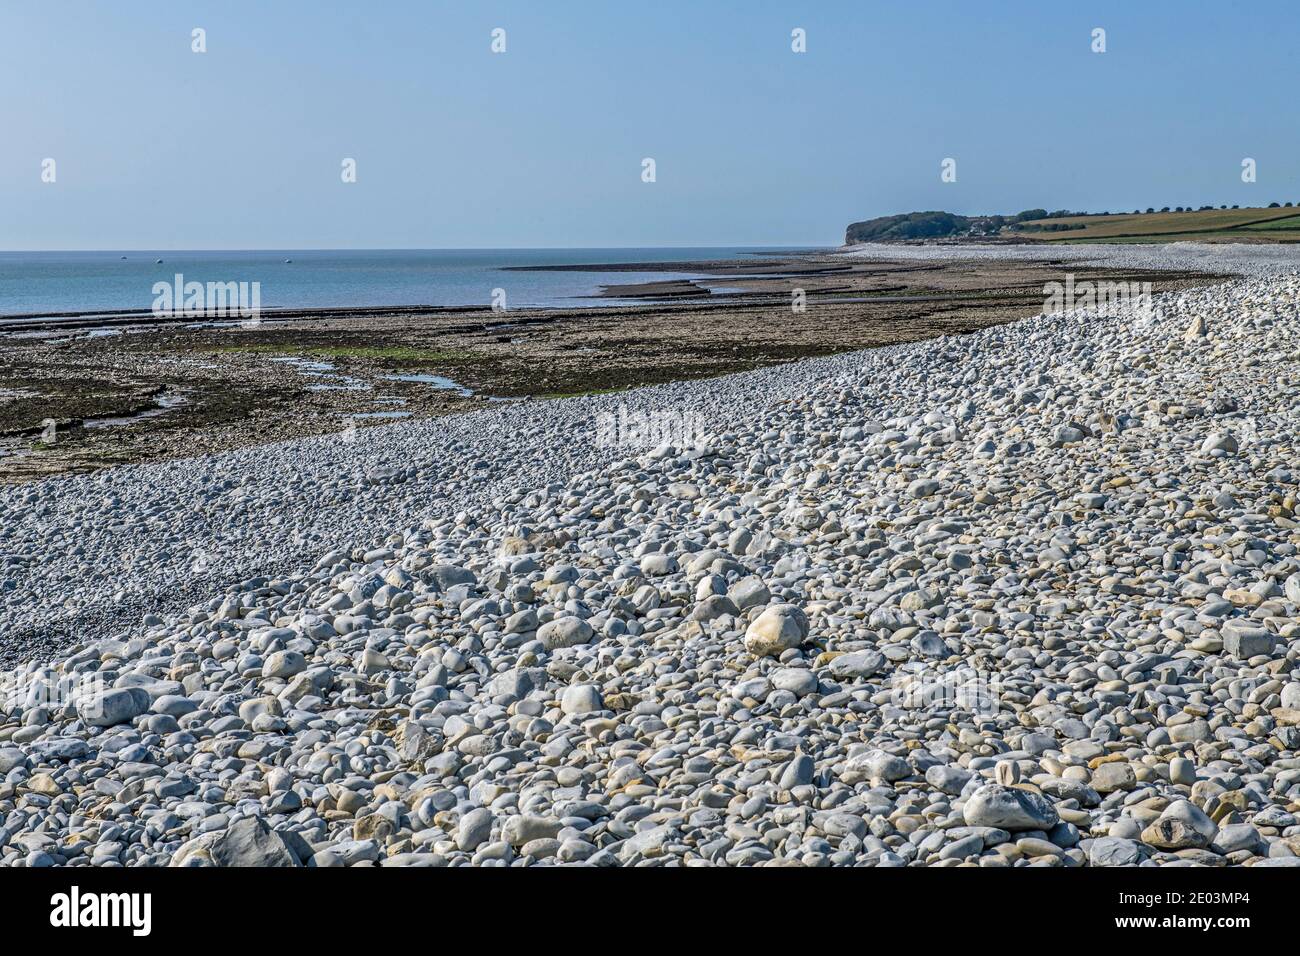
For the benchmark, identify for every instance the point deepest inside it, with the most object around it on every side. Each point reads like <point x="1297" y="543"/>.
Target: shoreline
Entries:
<point x="195" y="567"/>
<point x="775" y="264"/>
<point x="61" y="286"/>
<point x="305" y="372"/>
<point x="453" y="413"/>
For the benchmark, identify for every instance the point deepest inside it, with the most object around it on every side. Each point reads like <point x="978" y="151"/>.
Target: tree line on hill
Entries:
<point x="936" y="224"/>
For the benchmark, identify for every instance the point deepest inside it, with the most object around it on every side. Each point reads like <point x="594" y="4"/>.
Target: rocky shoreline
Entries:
<point x="80" y="395"/>
<point x="1022" y="597"/>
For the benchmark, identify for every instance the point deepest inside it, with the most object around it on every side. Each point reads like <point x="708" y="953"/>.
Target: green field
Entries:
<point x="1222" y="225"/>
<point x="1290" y="222"/>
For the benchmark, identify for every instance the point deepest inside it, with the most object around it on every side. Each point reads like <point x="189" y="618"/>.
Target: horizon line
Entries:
<point x="278" y="249"/>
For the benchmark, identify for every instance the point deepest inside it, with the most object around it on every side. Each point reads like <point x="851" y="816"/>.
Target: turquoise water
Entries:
<point x="54" y="282"/>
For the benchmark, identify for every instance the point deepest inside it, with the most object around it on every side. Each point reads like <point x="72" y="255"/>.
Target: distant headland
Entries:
<point x="1277" y="222"/>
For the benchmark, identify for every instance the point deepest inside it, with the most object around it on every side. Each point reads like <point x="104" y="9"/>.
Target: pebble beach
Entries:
<point x="1024" y="597"/>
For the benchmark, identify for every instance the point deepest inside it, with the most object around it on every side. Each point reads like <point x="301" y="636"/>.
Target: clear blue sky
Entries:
<point x="240" y="147"/>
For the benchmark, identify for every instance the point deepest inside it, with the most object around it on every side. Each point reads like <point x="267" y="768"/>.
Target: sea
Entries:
<point x="56" y="283"/>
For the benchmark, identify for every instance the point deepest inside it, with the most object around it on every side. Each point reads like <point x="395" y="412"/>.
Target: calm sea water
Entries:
<point x="52" y="282"/>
